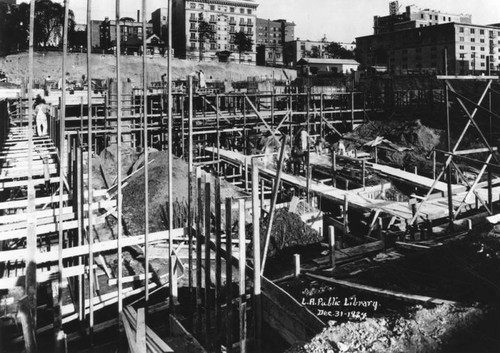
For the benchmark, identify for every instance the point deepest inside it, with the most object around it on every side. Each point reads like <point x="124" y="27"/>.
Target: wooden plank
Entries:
<point x="19" y="217"/>
<point x="39" y="230"/>
<point x="384" y="292"/>
<point x="42" y="276"/>
<point x="355" y="251"/>
<point x="300" y="321"/>
<point x="141" y="330"/>
<point x="132" y="346"/>
<point x="22" y="183"/>
<point x="102" y="246"/>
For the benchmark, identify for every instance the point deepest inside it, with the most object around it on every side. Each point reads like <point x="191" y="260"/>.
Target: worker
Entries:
<point x="40" y="116"/>
<point x="201" y="78"/>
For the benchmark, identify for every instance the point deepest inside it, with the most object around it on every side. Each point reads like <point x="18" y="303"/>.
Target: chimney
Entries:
<point x="138" y="15"/>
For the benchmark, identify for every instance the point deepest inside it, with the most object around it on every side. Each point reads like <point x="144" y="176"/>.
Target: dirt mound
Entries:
<point x="133" y="193"/>
<point x="288" y="231"/>
<point x="424" y="330"/>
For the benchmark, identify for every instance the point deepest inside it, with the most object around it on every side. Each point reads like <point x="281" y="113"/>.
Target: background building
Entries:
<point x="271" y="36"/>
<point x="227" y="17"/>
<point x="470" y="48"/>
<point x="159" y="19"/>
<point x="104" y="34"/>
<point x="414" y="17"/>
<point x="312" y="66"/>
<point x="297" y="49"/>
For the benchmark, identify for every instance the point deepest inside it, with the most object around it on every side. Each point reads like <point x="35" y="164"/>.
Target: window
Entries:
<point x="193" y="35"/>
<point x="421" y="15"/>
<point x="192" y="5"/>
<point x="231" y="9"/>
<point x="461" y="29"/>
<point x="242" y="10"/>
<point x="212" y="46"/>
<point x="436" y="17"/>
<point x="249" y="11"/>
<point x="461" y="47"/>
<point x="482" y="48"/>
<point x="482" y="56"/>
<point x="462" y="39"/>
<point x="212" y="7"/>
<point x="473" y="40"/>
<point x="444" y="18"/>
<point x="201" y="6"/>
<point x="481" y="31"/>
<point x="472" y="48"/>
<point x="482" y="64"/>
<point x="472" y="30"/>
<point x="193" y="46"/>
<point x="449" y="19"/>
<point x="462" y="56"/>
<point x="481" y="40"/>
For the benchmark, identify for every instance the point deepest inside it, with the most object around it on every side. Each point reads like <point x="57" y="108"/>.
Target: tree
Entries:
<point x="205" y="32"/>
<point x="336" y="51"/>
<point x="243" y="42"/>
<point x="49" y="19"/>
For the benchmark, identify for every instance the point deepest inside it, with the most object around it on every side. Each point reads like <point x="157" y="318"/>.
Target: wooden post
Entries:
<point x="191" y="180"/>
<point x="119" y="164"/>
<point x="363" y="164"/>
<point x="334" y="168"/>
<point x="321" y="123"/>
<point x="146" y="161"/>
<point x="352" y="110"/>
<point x="217" y="120"/>
<point x="345" y="214"/>
<point x="208" y="264"/>
<point x="296" y="258"/>
<point x="90" y="234"/>
<point x="242" y="268"/>
<point x="218" y="260"/>
<point x="229" y="277"/>
<point x="29" y="330"/>
<point x="256" y="256"/>
<point x="199" y="231"/>
<point x="331" y="245"/>
<point x="173" y="296"/>
<point x="262" y="189"/>
<point x="376" y="154"/>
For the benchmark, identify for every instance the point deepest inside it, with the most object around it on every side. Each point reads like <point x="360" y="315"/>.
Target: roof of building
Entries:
<point x="329" y="61"/>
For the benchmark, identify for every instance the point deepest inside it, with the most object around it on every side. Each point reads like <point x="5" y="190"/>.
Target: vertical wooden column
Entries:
<point x="28" y="304"/>
<point x="352" y="110"/>
<point x="217" y="121"/>
<point x="90" y="234"/>
<point x="119" y="196"/>
<point x="256" y="256"/>
<point x="199" y="231"/>
<point x="229" y="277"/>
<point x="191" y="181"/>
<point x="345" y="214"/>
<point x="218" y="261"/>
<point x="321" y="112"/>
<point x="173" y="295"/>
<point x="242" y="275"/>
<point x="331" y="244"/>
<point x="208" y="264"/>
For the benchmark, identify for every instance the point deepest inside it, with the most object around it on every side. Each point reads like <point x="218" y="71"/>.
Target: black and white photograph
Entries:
<point x="249" y="176"/>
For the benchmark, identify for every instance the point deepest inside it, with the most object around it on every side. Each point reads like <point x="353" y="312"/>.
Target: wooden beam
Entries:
<point x="384" y="292"/>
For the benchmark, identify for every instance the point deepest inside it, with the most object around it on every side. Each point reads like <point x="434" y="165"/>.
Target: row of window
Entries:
<point x="435" y="17"/>
<point x="274" y="29"/>
<point x="194" y="5"/>
<point x="481" y="31"/>
<point x="473" y="40"/>
<point x="272" y="41"/>
<point x="215" y="18"/>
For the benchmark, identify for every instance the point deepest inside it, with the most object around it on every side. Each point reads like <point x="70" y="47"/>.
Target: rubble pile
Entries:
<point x="423" y="330"/>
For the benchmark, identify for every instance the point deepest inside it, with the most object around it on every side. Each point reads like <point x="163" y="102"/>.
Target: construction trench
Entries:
<point x="163" y="220"/>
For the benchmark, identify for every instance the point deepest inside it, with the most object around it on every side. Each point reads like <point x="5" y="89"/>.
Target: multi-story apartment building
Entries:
<point x="227" y="17"/>
<point x="298" y="49"/>
<point x="271" y="36"/>
<point x="469" y="49"/>
<point x="104" y="34"/>
<point x="159" y="19"/>
<point x="414" y="17"/>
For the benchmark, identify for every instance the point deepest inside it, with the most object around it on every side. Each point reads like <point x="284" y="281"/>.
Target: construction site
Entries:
<point x="264" y="215"/>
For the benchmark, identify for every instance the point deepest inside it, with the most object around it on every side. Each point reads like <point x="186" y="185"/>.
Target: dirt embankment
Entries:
<point x="104" y="66"/>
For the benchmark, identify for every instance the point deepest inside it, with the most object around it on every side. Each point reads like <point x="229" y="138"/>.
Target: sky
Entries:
<point x="338" y="20"/>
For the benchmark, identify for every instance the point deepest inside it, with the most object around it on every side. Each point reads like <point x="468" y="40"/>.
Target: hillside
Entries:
<point x="104" y="66"/>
